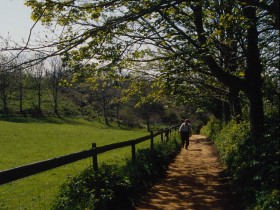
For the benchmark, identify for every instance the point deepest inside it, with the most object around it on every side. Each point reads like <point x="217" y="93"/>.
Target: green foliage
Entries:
<point x="170" y="116"/>
<point x="212" y="128"/>
<point x="268" y="200"/>
<point x="105" y="189"/>
<point x="230" y="137"/>
<point x="116" y="187"/>
<point x="254" y="167"/>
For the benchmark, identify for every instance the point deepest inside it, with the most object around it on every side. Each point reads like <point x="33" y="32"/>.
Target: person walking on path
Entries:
<point x="195" y="180"/>
<point x="185" y="131"/>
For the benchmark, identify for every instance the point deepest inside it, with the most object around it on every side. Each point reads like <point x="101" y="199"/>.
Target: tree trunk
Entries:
<point x="39" y="111"/>
<point x="104" y="107"/>
<point x="56" y="106"/>
<point x="20" y="89"/>
<point x="226" y="111"/>
<point x="5" y="103"/>
<point x="21" y="99"/>
<point x="3" y="91"/>
<point x="55" y="95"/>
<point x="253" y="76"/>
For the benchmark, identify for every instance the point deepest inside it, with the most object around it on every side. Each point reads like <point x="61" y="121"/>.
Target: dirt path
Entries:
<point x="195" y="180"/>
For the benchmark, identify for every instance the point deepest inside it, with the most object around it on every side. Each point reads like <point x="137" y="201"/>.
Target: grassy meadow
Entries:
<point x="27" y="140"/>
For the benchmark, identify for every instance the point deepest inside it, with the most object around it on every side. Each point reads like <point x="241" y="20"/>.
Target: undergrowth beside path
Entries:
<point x="117" y="187"/>
<point x="254" y="167"/>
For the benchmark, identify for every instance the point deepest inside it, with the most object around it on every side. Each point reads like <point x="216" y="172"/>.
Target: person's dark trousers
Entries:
<point x="185" y="139"/>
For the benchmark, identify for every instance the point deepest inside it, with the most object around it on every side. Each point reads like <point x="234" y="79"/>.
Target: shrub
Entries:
<point x="268" y="200"/>
<point x="116" y="187"/>
<point x="254" y="167"/>
<point x="229" y="138"/>
<point x="212" y="128"/>
<point x="100" y="190"/>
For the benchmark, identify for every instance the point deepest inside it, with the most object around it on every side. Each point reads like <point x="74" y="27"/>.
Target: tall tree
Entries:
<point x="55" y="76"/>
<point x="38" y="73"/>
<point x="5" y="83"/>
<point x="110" y="32"/>
<point x="20" y="82"/>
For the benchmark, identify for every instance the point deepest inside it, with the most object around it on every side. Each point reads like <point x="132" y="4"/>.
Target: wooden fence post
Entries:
<point x="161" y="135"/>
<point x="133" y="152"/>
<point x="166" y="135"/>
<point x="152" y="140"/>
<point x="94" y="157"/>
<point x="170" y="132"/>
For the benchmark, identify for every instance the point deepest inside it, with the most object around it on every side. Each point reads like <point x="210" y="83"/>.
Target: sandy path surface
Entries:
<point x="195" y="180"/>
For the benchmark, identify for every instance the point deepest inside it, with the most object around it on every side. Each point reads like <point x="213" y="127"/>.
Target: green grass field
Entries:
<point x="25" y="141"/>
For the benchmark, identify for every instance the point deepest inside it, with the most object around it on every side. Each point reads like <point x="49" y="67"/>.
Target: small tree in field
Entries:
<point x="55" y="75"/>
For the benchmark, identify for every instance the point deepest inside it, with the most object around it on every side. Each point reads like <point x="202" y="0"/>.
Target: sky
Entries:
<point x="15" y="20"/>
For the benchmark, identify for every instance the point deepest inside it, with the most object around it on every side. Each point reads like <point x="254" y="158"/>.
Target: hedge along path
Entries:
<point x="195" y="180"/>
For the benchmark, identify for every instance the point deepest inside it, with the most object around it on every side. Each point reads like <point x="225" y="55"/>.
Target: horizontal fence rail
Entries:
<point x="14" y="174"/>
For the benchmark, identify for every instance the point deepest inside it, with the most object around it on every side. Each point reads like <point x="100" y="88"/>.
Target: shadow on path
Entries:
<point x="195" y="180"/>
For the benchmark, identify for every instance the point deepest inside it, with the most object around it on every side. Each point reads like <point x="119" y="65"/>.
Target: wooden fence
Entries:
<point x="35" y="168"/>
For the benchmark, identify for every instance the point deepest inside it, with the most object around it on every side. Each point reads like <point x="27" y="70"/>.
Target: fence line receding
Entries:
<point x="14" y="174"/>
